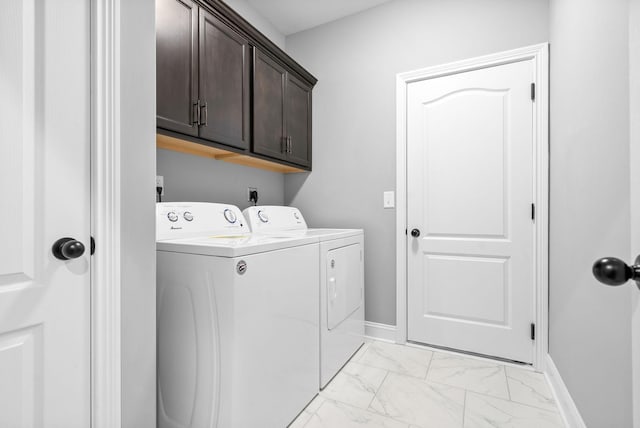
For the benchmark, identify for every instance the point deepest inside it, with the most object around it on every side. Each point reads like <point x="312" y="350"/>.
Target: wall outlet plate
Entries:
<point x="160" y="183"/>
<point x="389" y="199"/>
<point x="249" y="190"/>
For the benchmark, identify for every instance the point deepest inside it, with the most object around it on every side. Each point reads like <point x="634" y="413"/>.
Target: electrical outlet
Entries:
<point x="250" y="192"/>
<point x="160" y="183"/>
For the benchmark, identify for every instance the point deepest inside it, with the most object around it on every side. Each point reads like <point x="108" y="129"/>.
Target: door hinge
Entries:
<point x="533" y="92"/>
<point x="533" y="331"/>
<point x="533" y="212"/>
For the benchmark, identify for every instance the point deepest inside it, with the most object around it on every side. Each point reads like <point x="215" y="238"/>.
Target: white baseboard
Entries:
<point x="377" y="331"/>
<point x="568" y="409"/>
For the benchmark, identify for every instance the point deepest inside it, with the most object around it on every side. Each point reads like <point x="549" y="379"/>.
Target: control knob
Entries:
<point x="172" y="216"/>
<point x="230" y="216"/>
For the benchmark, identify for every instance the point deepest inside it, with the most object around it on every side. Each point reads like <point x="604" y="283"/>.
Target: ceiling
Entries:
<point x="292" y="16"/>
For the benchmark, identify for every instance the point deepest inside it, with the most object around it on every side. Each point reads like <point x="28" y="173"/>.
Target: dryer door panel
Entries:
<point x="344" y="294"/>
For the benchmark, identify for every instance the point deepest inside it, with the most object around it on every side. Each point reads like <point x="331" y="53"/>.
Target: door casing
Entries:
<point x="539" y="54"/>
<point x="634" y="139"/>
<point x="106" y="389"/>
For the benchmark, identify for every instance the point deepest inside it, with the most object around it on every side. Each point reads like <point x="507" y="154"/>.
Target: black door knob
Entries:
<point x="613" y="271"/>
<point x="415" y="233"/>
<point x="67" y="249"/>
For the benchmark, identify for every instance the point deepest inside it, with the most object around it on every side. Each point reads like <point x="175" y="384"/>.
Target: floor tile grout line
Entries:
<point x="324" y="400"/>
<point x="553" y="402"/>
<point x="332" y="397"/>
<point x="440" y="383"/>
<point x="391" y="357"/>
<point x="535" y="391"/>
<point x="385" y="415"/>
<point x="506" y="380"/>
<point x="446" y="385"/>
<point x="464" y="407"/>
<point x="433" y="354"/>
<point x="378" y="389"/>
<point x="557" y="410"/>
<point x="367" y="410"/>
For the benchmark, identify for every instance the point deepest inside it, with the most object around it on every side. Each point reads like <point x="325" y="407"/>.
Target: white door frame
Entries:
<point x="634" y="140"/>
<point x="540" y="56"/>
<point x="106" y="393"/>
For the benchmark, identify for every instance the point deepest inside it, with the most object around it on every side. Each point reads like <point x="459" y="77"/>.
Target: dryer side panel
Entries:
<point x="341" y="303"/>
<point x="344" y="284"/>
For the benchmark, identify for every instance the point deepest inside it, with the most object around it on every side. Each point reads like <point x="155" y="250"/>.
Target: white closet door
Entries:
<point x="44" y="184"/>
<point x="470" y="190"/>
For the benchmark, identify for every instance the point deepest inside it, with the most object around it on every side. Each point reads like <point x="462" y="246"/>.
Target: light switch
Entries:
<point x="389" y="199"/>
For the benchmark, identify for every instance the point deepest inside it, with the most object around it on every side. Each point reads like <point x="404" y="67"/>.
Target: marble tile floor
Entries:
<point x="394" y="386"/>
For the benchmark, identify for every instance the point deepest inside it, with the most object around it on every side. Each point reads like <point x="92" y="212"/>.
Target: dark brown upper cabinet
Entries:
<point x="206" y="93"/>
<point x="281" y="112"/>
<point x="177" y="65"/>
<point x="298" y="120"/>
<point x="203" y="75"/>
<point x="269" y="80"/>
<point x="224" y="83"/>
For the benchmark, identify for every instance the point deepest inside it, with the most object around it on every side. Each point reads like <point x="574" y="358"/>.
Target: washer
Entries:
<point x="341" y="266"/>
<point x="238" y="340"/>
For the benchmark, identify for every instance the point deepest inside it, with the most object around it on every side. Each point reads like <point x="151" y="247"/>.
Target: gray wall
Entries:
<point x="590" y="340"/>
<point x="257" y="20"/>
<point x="137" y="166"/>
<point x="356" y="60"/>
<point x="199" y="179"/>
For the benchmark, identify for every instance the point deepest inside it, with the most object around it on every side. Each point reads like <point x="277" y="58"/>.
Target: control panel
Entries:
<point x="175" y="220"/>
<point x="270" y="218"/>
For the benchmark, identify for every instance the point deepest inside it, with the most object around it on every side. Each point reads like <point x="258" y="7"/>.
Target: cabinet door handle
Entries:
<point x="195" y="113"/>
<point x="289" y="145"/>
<point x="204" y="115"/>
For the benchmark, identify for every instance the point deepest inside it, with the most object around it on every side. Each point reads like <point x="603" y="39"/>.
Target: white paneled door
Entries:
<point x="470" y="189"/>
<point x="44" y="186"/>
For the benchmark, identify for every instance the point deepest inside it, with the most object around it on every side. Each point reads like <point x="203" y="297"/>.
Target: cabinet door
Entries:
<point x="268" y="106"/>
<point x="298" y="121"/>
<point x="224" y="83"/>
<point x="177" y="65"/>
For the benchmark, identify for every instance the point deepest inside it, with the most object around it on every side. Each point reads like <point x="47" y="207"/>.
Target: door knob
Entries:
<point x="613" y="271"/>
<point x="67" y="249"/>
<point x="415" y="233"/>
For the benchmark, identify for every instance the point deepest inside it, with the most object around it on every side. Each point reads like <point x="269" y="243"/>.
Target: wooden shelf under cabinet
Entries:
<point x="183" y="146"/>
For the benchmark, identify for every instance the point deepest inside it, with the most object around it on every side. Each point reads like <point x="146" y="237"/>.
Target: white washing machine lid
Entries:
<point x="321" y="235"/>
<point x="233" y="246"/>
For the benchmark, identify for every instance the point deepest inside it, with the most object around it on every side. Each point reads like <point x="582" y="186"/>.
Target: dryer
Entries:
<point x="341" y="275"/>
<point x="238" y="339"/>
